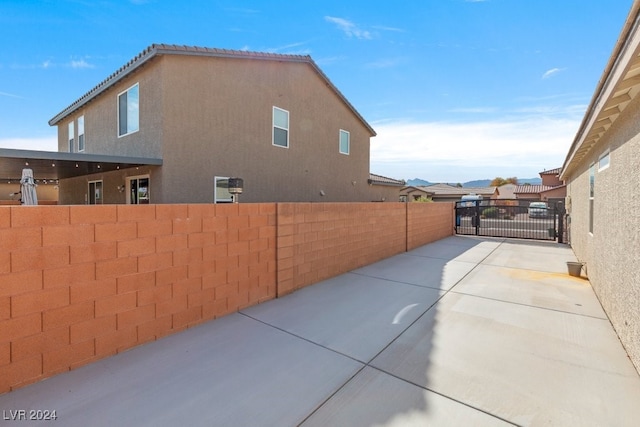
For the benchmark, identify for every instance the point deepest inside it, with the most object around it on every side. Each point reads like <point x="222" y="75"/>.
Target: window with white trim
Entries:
<point x="129" y="111"/>
<point x="592" y="182"/>
<point x="81" y="133"/>
<point x="221" y="190"/>
<point x="280" y="127"/>
<point x="71" y="137"/>
<point x="603" y="161"/>
<point x="95" y="193"/>
<point x="345" y="142"/>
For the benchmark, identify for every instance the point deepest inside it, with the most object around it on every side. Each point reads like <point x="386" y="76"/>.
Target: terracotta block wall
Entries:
<point x="317" y="241"/>
<point x="428" y="222"/>
<point x="79" y="283"/>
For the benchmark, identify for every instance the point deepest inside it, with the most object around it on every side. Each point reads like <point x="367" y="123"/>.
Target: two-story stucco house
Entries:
<point x="602" y="172"/>
<point x="274" y="120"/>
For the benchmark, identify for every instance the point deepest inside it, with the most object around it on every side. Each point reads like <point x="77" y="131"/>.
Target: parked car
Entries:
<point x="538" y="210"/>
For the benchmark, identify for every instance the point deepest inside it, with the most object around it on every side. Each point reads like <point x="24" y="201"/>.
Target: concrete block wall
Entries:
<point x="80" y="283"/>
<point x="428" y="222"/>
<point x="321" y="240"/>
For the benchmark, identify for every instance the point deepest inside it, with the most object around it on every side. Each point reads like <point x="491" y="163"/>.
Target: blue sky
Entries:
<point x="456" y="89"/>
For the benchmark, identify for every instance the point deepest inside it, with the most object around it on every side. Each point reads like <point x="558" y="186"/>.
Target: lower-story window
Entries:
<point x="95" y="193"/>
<point x="138" y="193"/>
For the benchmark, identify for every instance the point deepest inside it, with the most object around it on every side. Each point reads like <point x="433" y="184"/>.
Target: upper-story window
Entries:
<point x="280" y="127"/>
<point x="603" y="161"/>
<point x="345" y="141"/>
<point x="81" y="133"/>
<point x="129" y="111"/>
<point x="71" y="137"/>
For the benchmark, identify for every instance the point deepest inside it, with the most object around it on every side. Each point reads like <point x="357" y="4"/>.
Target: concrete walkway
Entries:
<point x="460" y="332"/>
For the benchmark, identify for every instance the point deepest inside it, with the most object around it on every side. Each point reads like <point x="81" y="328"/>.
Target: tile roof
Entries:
<point x="166" y="49"/>
<point x="383" y="180"/>
<point x="446" y="189"/>
<point x="535" y="189"/>
<point x="555" y="171"/>
<point x="412" y="189"/>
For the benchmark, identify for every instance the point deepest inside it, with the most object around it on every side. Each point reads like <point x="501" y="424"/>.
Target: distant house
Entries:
<point x="602" y="172"/>
<point x="385" y="189"/>
<point x="552" y="188"/>
<point x="506" y="191"/>
<point x="415" y="194"/>
<point x="451" y="193"/>
<point x="175" y="122"/>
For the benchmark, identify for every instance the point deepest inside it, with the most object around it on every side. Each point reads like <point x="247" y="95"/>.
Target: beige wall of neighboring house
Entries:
<point x="211" y="115"/>
<point x="604" y="216"/>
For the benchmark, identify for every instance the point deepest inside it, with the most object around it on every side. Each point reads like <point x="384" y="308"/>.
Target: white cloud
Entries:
<point x="11" y="95"/>
<point x="458" y="152"/>
<point x="349" y="28"/>
<point x="45" y="144"/>
<point x="551" y="72"/>
<point x="80" y="64"/>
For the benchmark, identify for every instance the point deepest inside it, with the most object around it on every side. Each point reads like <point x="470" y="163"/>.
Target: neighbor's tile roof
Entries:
<point x="450" y="190"/>
<point x="555" y="171"/>
<point x="531" y="189"/>
<point x="383" y="180"/>
<point x="167" y="49"/>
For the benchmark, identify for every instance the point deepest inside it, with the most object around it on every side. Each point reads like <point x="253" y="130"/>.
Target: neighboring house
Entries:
<point x="506" y="191"/>
<point x="385" y="189"/>
<point x="552" y="188"/>
<point x="415" y="194"/>
<point x="451" y="193"/>
<point x="602" y="172"/>
<point x="188" y="118"/>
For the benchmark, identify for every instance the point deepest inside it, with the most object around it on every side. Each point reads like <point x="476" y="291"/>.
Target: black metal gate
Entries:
<point x="517" y="218"/>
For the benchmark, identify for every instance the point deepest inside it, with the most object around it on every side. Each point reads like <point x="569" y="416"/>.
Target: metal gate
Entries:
<point x="517" y="218"/>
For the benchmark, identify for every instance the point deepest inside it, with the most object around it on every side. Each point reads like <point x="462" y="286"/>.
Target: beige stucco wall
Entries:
<point x="218" y="122"/>
<point x="101" y="123"/>
<point x="74" y="191"/>
<point x="612" y="252"/>
<point x="209" y="117"/>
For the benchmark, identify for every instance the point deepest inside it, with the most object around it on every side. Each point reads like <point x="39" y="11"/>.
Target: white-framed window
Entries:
<point x="221" y="190"/>
<point x="603" y="161"/>
<point x="129" y="110"/>
<point x="592" y="193"/>
<point x="95" y="193"/>
<point x="345" y="142"/>
<point x="81" y="133"/>
<point x="138" y="190"/>
<point x="280" y="127"/>
<point x="71" y="137"/>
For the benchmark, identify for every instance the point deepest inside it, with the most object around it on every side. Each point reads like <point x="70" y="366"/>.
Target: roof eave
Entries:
<point x="162" y="49"/>
<point x="604" y="87"/>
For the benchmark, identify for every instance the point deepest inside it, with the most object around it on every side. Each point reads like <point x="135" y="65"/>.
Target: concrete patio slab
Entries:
<point x="233" y="371"/>
<point x="528" y="365"/>
<point x="352" y="314"/>
<point x="417" y="270"/>
<point x="555" y="291"/>
<point x="375" y="398"/>
<point x="538" y="256"/>
<point x="458" y="249"/>
<point x="418" y="339"/>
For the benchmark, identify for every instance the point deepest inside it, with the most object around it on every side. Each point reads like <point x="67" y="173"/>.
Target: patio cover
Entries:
<point x="60" y="165"/>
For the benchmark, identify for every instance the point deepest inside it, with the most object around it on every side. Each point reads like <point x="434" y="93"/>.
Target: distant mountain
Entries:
<point x="417" y="181"/>
<point x="476" y="183"/>
<point x="532" y="181"/>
